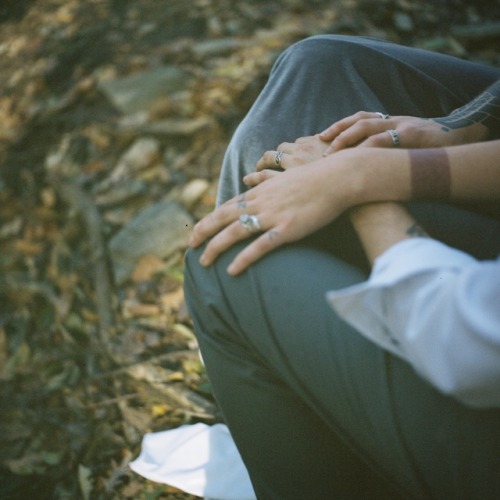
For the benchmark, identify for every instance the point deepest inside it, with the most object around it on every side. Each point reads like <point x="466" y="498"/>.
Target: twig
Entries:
<point x="169" y="356"/>
<point x="84" y="206"/>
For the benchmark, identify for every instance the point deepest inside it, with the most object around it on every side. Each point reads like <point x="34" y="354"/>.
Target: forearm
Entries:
<point x="472" y="172"/>
<point x="484" y="110"/>
<point x="462" y="173"/>
<point x="381" y="225"/>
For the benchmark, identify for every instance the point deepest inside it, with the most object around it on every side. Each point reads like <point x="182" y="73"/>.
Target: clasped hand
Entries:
<point x="288" y="206"/>
<point x="290" y="203"/>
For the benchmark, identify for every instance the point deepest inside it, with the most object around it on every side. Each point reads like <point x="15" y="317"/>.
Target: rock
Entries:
<point x="218" y="47"/>
<point x="193" y="192"/>
<point x="403" y="22"/>
<point x="121" y="193"/>
<point x="181" y="126"/>
<point x="142" y="154"/>
<point x="68" y="158"/>
<point x="138" y="92"/>
<point x="158" y="230"/>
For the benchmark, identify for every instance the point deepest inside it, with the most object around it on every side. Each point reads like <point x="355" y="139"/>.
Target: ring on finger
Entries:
<point x="277" y="158"/>
<point x="382" y="115"/>
<point x="250" y="223"/>
<point x="395" y="137"/>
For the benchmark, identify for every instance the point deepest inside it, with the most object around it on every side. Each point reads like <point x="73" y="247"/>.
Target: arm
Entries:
<point x="434" y="306"/>
<point x="298" y="201"/>
<point x="472" y="171"/>
<point x="383" y="224"/>
<point x="484" y="110"/>
<point x="478" y="120"/>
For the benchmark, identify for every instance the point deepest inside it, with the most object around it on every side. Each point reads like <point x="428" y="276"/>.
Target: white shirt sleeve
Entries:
<point x="439" y="309"/>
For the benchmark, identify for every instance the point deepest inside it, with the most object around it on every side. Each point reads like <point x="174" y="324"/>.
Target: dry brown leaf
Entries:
<point x="146" y="268"/>
<point x="138" y="310"/>
<point x="29" y="248"/>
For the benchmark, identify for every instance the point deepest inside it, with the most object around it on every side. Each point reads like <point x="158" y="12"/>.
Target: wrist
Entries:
<point x="380" y="213"/>
<point x="378" y="175"/>
<point x="381" y="225"/>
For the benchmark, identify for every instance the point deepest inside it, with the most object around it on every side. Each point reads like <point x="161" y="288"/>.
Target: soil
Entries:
<point x="88" y="366"/>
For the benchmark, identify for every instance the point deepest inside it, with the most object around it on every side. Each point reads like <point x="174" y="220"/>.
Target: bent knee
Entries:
<point x="319" y="51"/>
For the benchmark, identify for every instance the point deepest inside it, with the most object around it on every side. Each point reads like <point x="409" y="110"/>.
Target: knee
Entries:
<point x="321" y="51"/>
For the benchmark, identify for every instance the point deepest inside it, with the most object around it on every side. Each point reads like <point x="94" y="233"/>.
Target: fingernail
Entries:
<point x="203" y="260"/>
<point x="327" y="151"/>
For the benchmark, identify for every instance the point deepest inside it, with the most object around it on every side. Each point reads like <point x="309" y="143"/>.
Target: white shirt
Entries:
<point x="439" y="309"/>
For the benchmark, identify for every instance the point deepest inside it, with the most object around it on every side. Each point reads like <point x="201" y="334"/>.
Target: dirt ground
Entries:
<point x="89" y="364"/>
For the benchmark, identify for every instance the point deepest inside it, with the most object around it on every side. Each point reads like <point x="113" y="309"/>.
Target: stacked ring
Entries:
<point x="395" y="137"/>
<point x="277" y="158"/>
<point x="250" y="223"/>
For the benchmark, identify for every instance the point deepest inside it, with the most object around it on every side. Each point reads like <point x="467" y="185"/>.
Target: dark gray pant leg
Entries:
<point x="306" y="396"/>
<point x="324" y="78"/>
<point x="310" y="401"/>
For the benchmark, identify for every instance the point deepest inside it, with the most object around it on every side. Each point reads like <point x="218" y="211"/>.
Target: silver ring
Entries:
<point x="277" y="158"/>
<point x="382" y="115"/>
<point x="250" y="222"/>
<point x="394" y="136"/>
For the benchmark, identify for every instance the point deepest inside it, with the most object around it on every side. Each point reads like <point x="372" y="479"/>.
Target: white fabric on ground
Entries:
<point x="198" y="459"/>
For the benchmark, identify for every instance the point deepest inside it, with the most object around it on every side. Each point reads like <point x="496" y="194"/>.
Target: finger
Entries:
<point x="267" y="160"/>
<point x="221" y="242"/>
<point x="270" y="160"/>
<point x="286" y="147"/>
<point x="360" y="132"/>
<point x="381" y="140"/>
<point x="301" y="140"/>
<point x="255" y="178"/>
<point x="339" y="126"/>
<point x="262" y="245"/>
<point x="214" y="222"/>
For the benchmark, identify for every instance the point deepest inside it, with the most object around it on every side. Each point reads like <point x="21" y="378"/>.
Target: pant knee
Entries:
<point x="321" y="51"/>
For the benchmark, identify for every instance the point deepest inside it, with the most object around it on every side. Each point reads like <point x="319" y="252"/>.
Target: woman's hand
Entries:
<point x="370" y="130"/>
<point x="294" y="154"/>
<point x="285" y="208"/>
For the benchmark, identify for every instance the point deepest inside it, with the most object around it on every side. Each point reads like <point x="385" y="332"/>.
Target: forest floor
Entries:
<point x="114" y="117"/>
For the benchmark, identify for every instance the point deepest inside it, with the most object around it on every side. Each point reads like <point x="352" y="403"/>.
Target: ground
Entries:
<point x="89" y="360"/>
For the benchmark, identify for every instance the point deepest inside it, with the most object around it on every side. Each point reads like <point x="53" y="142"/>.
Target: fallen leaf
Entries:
<point x="85" y="481"/>
<point x="147" y="267"/>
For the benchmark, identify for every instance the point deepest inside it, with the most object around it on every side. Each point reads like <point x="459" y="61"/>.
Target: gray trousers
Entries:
<point x="316" y="410"/>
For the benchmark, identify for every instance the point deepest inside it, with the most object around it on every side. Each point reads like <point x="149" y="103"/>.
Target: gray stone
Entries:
<point x="138" y="92"/>
<point x="403" y="22"/>
<point x="140" y="155"/>
<point x="218" y="47"/>
<point x="159" y="230"/>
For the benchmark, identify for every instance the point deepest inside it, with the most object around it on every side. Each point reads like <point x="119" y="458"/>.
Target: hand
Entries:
<point x="370" y="130"/>
<point x="287" y="207"/>
<point x="301" y="152"/>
